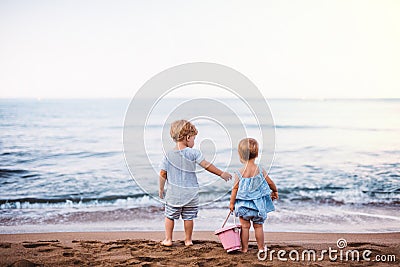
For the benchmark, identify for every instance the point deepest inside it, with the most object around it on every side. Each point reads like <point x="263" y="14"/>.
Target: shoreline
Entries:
<point x="280" y="237"/>
<point x="287" y="218"/>
<point x="143" y="248"/>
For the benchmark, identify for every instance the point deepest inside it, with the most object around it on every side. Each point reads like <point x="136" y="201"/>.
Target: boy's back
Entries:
<point x="182" y="184"/>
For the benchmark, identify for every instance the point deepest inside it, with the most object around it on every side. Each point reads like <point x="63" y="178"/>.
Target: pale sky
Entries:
<point x="289" y="49"/>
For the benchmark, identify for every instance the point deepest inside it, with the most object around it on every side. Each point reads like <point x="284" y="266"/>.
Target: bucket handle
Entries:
<point x="227" y="217"/>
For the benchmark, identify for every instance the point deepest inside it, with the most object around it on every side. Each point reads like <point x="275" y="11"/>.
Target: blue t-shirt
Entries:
<point x="182" y="186"/>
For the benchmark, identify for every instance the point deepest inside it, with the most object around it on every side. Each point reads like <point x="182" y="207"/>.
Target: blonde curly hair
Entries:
<point x="182" y="128"/>
<point x="248" y="149"/>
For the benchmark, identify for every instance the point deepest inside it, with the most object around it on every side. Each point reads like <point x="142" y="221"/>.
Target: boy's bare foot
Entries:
<point x="166" y="243"/>
<point x="244" y="250"/>
<point x="188" y="243"/>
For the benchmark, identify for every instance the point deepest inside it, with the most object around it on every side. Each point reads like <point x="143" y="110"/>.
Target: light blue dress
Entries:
<point x="253" y="200"/>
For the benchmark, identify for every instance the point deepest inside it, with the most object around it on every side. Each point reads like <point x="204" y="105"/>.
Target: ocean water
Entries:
<point x="62" y="168"/>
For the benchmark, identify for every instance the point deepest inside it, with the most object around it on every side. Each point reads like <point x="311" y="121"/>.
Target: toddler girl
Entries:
<point x="251" y="198"/>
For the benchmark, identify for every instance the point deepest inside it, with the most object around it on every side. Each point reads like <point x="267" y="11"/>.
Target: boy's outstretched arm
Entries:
<point x="234" y="194"/>
<point x="274" y="194"/>
<point x="163" y="178"/>
<point x="211" y="168"/>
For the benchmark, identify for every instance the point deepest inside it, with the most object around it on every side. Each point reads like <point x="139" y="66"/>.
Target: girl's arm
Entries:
<point x="163" y="178"/>
<point x="274" y="194"/>
<point x="211" y="168"/>
<point x="234" y="193"/>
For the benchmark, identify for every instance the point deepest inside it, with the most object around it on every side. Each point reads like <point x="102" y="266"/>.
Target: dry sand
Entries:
<point x="144" y="249"/>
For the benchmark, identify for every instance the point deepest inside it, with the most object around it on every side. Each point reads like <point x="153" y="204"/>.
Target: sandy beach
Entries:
<point x="144" y="249"/>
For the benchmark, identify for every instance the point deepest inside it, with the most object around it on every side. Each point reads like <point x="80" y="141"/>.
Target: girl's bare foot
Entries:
<point x="244" y="250"/>
<point x="188" y="243"/>
<point x="166" y="243"/>
<point x="264" y="249"/>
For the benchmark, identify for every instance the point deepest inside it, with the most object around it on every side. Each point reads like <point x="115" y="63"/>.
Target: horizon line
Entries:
<point x="271" y="98"/>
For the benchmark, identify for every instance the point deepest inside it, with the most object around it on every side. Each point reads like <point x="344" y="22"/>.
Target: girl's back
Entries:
<point x="249" y="171"/>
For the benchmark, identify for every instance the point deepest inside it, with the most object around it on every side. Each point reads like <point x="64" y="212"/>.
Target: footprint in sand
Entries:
<point x="25" y="263"/>
<point x="46" y="250"/>
<point x="35" y="245"/>
<point x="5" y="245"/>
<point x="68" y="254"/>
<point x="40" y="243"/>
<point x="115" y="247"/>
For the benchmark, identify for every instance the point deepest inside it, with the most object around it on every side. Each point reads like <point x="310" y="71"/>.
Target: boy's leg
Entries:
<point x="244" y="234"/>
<point x="169" y="228"/>
<point x="188" y="224"/>
<point x="189" y="213"/>
<point x="259" y="233"/>
<point x="171" y="213"/>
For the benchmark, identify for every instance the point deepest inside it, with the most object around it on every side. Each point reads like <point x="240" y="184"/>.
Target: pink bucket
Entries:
<point x="229" y="236"/>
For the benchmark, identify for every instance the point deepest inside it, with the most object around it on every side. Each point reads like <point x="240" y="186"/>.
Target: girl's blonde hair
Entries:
<point x="182" y="128"/>
<point x="248" y="149"/>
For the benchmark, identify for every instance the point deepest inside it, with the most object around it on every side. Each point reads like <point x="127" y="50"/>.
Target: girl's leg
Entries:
<point x="259" y="233"/>
<point x="244" y="234"/>
<point x="169" y="228"/>
<point x="188" y="224"/>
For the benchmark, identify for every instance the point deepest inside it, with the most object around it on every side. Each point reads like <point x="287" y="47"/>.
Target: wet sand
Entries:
<point x="144" y="249"/>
